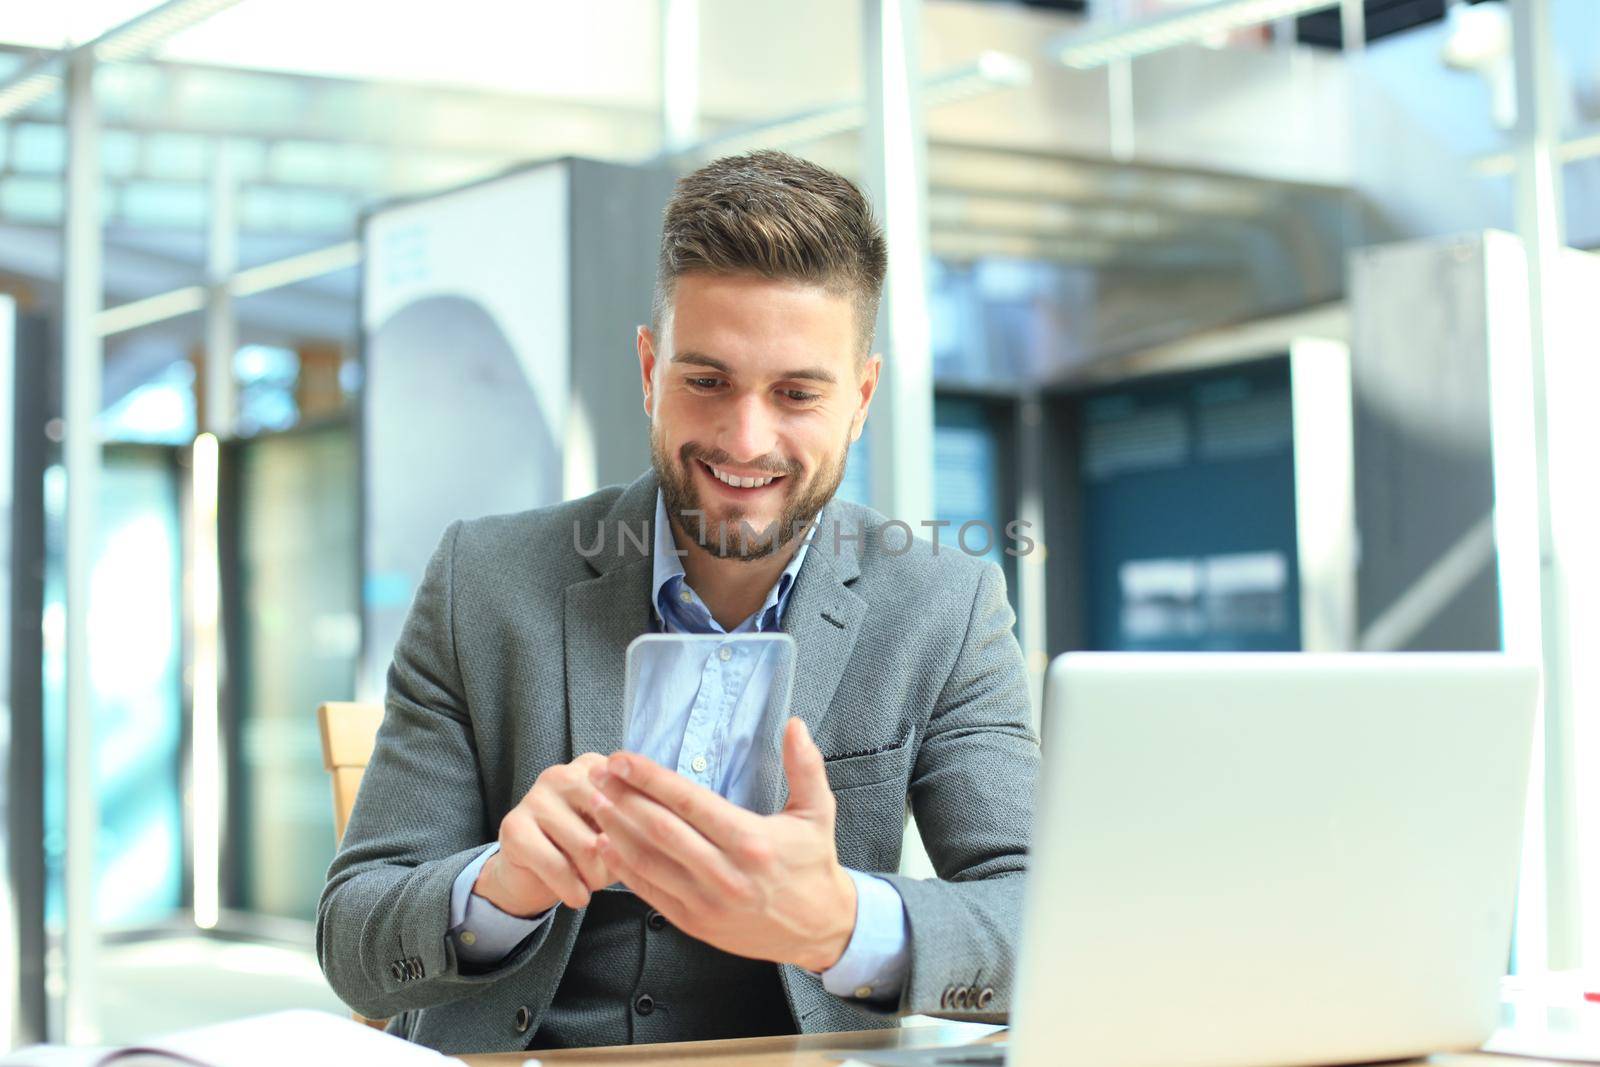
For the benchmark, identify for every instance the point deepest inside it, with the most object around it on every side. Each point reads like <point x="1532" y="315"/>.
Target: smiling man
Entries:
<point x="527" y="867"/>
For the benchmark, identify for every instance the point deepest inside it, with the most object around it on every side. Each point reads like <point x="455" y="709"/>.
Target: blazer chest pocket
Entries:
<point x="851" y="770"/>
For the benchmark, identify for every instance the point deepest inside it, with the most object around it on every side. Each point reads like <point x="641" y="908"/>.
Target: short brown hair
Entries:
<point x="779" y="216"/>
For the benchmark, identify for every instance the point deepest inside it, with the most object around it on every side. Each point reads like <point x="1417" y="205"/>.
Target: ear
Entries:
<point x="869" y="387"/>
<point x="645" y="342"/>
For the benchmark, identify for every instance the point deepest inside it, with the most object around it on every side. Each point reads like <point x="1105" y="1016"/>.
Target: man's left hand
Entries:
<point x="764" y="887"/>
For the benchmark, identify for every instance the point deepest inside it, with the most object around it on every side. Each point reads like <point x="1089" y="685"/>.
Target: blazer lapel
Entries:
<point x="824" y="617"/>
<point x="602" y="615"/>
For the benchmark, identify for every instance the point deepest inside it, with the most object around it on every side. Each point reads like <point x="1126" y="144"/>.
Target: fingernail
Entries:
<point x="598" y="776"/>
<point x="620" y="768"/>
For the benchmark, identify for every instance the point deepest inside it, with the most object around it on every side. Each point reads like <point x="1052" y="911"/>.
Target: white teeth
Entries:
<point x="741" y="483"/>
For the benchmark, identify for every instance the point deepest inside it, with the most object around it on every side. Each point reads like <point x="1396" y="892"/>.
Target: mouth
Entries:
<point x="740" y="486"/>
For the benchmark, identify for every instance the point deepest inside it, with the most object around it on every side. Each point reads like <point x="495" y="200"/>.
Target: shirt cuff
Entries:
<point x="483" y="934"/>
<point x="876" y="960"/>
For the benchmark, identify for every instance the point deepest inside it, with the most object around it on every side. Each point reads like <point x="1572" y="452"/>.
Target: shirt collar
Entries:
<point x="667" y="575"/>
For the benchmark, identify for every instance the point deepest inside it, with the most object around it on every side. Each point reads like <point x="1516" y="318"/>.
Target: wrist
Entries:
<point x="839" y="925"/>
<point x="491" y="886"/>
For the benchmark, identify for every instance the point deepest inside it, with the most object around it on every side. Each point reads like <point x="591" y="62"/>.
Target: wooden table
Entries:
<point x="812" y="1050"/>
<point x="805" y="1050"/>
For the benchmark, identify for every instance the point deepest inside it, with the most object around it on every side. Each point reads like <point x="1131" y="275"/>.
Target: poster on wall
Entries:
<point x="465" y="355"/>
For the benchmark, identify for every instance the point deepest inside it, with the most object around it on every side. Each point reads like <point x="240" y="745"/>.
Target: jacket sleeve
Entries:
<point x="972" y="791"/>
<point x="419" y="820"/>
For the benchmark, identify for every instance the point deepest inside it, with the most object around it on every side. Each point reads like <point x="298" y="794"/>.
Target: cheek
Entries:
<point x="692" y="410"/>
<point x="817" y="449"/>
<point x="676" y="408"/>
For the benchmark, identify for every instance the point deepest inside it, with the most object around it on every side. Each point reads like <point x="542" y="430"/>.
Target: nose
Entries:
<point x="748" y="431"/>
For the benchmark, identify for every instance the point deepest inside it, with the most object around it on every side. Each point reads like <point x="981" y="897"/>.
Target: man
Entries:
<point x="476" y="896"/>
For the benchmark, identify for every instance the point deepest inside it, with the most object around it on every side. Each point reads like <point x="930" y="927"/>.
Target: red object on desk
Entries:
<point x="1592" y="997"/>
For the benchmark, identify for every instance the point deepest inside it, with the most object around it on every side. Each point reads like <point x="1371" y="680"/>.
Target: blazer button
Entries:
<point x="524" y="1019"/>
<point x="961" y="996"/>
<point x="397" y="971"/>
<point x="655" y="920"/>
<point x="644" y="1005"/>
<point x="944" y="998"/>
<point x="985" y="997"/>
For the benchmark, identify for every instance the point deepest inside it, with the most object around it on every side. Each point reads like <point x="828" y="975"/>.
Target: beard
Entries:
<point x="732" y="536"/>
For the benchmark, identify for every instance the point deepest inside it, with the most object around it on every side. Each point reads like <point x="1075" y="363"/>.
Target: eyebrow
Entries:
<point x="813" y="374"/>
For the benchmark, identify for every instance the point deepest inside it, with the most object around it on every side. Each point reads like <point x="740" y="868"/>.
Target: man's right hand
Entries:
<point x="549" y="849"/>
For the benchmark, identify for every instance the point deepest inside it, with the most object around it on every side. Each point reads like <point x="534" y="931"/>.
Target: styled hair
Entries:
<point x="779" y="216"/>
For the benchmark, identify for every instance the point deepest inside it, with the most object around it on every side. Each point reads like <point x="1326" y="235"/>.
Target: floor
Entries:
<point x="153" y="987"/>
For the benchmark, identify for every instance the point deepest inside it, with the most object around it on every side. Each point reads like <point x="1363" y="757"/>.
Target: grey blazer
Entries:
<point x="511" y="660"/>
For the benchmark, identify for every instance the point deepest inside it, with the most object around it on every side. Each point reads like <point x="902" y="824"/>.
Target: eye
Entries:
<point x="703" y="383"/>
<point x="799" y="396"/>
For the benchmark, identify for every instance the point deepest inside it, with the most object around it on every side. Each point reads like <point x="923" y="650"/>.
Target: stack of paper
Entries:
<point x="297" y="1038"/>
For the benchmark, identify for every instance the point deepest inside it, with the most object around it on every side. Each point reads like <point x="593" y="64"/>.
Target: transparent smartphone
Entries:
<point x="737" y="708"/>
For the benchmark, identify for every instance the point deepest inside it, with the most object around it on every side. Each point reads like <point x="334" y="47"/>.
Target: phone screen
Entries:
<point x="736" y="689"/>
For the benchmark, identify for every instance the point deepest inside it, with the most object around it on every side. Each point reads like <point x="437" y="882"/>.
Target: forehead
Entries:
<point x="757" y="323"/>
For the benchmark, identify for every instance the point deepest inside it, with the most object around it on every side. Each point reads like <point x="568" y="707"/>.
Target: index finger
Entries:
<point x="718" y="819"/>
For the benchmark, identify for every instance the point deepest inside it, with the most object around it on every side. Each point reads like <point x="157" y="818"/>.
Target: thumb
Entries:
<point x="809" y="794"/>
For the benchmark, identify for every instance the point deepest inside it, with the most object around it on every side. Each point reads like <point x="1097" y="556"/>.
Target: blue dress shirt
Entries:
<point x="700" y="719"/>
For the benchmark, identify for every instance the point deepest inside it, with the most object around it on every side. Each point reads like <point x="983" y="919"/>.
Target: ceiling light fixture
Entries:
<point x="27" y="89"/>
<point x="139" y="35"/>
<point x="990" y="72"/>
<point x="1096" y="48"/>
<point x="130" y="40"/>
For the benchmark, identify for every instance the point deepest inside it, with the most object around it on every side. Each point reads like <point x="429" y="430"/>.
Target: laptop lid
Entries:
<point x="1245" y="859"/>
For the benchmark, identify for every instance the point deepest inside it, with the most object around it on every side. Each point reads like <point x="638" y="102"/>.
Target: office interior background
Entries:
<point x="1271" y="318"/>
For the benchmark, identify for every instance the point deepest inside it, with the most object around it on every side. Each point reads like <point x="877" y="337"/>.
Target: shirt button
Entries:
<point x="524" y="1019"/>
<point x="686" y="596"/>
<point x="656" y="921"/>
<point x="724" y="653"/>
<point x="699" y="764"/>
<point x="468" y="937"/>
<point x="863" y="991"/>
<point x="644" y="1005"/>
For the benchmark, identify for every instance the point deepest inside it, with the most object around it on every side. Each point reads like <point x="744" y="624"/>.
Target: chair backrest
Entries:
<point x="348" y="734"/>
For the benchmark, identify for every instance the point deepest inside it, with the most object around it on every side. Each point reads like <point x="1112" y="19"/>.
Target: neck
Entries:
<point x="733" y="589"/>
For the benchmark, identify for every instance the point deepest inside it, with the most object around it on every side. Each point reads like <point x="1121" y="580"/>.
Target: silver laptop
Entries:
<point x="1252" y="859"/>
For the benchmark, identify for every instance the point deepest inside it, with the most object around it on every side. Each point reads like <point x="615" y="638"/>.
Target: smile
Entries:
<point x="740" y="481"/>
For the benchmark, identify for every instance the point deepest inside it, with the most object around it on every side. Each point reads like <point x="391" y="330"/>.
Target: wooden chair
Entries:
<point x="348" y="734"/>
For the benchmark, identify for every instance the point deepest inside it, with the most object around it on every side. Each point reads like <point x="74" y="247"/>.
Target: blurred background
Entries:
<point x="1269" y="318"/>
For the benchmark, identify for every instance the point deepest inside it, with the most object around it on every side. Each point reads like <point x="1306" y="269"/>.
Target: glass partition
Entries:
<point x="136" y="677"/>
<point x="290" y="556"/>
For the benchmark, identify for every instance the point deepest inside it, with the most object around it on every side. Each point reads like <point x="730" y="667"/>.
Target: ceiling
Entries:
<point x="1239" y="176"/>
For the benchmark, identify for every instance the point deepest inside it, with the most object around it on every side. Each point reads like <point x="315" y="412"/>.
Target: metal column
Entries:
<point x="206" y="790"/>
<point x="1032" y="590"/>
<point x="222" y="260"/>
<point x="1119" y="94"/>
<point x="1541" y="227"/>
<point x="680" y="75"/>
<point x="81" y="457"/>
<point x="1353" y="27"/>
<point x="894" y="165"/>
<point x="34" y="405"/>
